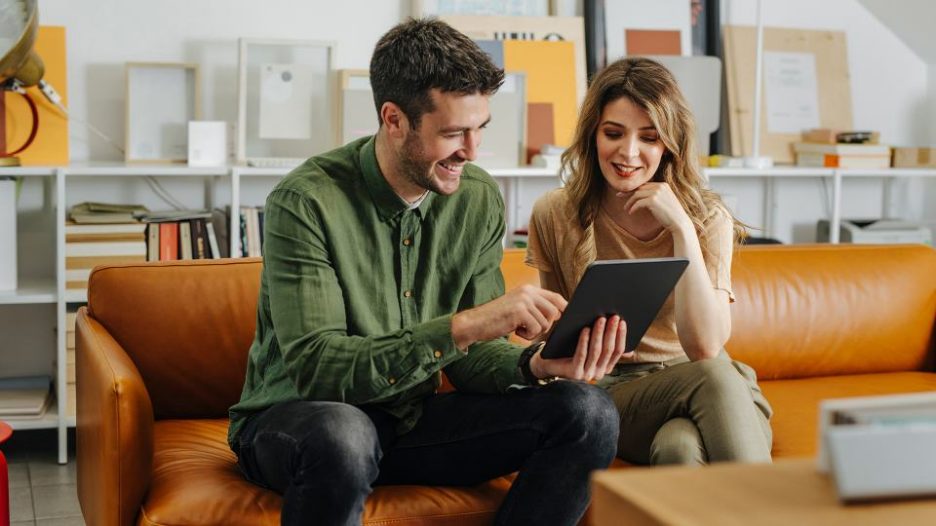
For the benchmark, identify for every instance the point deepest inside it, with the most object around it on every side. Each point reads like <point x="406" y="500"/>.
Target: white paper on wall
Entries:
<point x="791" y="92"/>
<point x="286" y="101"/>
<point x="7" y="235"/>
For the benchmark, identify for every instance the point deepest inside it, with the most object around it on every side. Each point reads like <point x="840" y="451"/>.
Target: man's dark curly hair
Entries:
<point x="418" y="55"/>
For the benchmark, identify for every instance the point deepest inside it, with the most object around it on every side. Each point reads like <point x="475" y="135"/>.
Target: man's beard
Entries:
<point x="414" y="166"/>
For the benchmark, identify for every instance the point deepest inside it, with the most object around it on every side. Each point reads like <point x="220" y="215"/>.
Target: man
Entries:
<point x="381" y="269"/>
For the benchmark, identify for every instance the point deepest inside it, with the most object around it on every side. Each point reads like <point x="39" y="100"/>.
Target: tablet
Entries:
<point x="634" y="289"/>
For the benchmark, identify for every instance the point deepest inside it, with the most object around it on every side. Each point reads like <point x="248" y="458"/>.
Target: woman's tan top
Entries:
<point x="555" y="232"/>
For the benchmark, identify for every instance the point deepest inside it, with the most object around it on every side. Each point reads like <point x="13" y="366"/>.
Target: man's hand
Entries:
<point x="598" y="351"/>
<point x="528" y="310"/>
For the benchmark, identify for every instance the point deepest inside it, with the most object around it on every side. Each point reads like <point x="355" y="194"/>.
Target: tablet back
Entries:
<point x="635" y="289"/>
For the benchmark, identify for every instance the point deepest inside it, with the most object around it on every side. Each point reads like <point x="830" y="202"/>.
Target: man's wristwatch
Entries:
<point x="523" y="363"/>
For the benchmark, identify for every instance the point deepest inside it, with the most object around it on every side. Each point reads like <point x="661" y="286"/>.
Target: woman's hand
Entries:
<point x="659" y="200"/>
<point x="598" y="351"/>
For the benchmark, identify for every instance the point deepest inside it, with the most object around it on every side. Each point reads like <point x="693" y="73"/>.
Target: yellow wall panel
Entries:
<point x="51" y="145"/>
<point x="550" y="75"/>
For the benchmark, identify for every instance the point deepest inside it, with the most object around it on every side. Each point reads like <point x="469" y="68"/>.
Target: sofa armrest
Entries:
<point x="114" y="432"/>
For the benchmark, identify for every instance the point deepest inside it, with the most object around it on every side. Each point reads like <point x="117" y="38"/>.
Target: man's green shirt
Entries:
<point x="358" y="290"/>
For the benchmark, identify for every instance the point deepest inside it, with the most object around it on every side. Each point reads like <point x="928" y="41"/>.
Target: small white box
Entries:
<point x="208" y="143"/>
<point x="7" y="235"/>
<point x="879" y="447"/>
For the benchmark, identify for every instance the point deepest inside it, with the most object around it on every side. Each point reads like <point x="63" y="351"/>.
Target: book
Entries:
<point x="24" y="397"/>
<point x="90" y="212"/>
<point x="168" y="241"/>
<point x="173" y="215"/>
<point x="243" y="231"/>
<point x="253" y="238"/>
<point x="72" y="228"/>
<point x="842" y="155"/>
<point x="185" y="240"/>
<point x="213" y="241"/>
<point x="220" y="222"/>
<point x="152" y="242"/>
<point x="200" y="245"/>
<point x="110" y="248"/>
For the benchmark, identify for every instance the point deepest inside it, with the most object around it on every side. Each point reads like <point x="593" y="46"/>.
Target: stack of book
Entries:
<point x="24" y="398"/>
<point x="251" y="231"/>
<point x="70" y="376"/>
<point x="842" y="155"/>
<point x="90" y="245"/>
<point x="183" y="234"/>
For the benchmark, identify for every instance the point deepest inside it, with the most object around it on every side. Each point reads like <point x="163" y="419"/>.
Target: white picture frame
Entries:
<point x="161" y="99"/>
<point x="503" y="142"/>
<point x="285" y="101"/>
<point x="357" y="114"/>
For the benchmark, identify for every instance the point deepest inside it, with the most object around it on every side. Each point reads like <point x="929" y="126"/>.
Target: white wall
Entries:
<point x="891" y="91"/>
<point x="889" y="82"/>
<point x="102" y="38"/>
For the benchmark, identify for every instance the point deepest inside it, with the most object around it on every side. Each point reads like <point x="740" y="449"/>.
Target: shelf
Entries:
<point x="525" y="171"/>
<point x="777" y="171"/>
<point x="76" y="296"/>
<point x="30" y="291"/>
<point x="28" y="171"/>
<point x="47" y="421"/>
<point x="253" y="171"/>
<point x="138" y="170"/>
<point x="802" y="171"/>
<point x="888" y="172"/>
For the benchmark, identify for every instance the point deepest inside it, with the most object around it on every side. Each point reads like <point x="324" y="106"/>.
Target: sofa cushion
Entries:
<point x="820" y="310"/>
<point x="178" y="319"/>
<point x="796" y="403"/>
<point x="196" y="481"/>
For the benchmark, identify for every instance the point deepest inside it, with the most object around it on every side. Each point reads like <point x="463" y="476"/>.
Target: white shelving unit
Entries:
<point x="837" y="175"/>
<point x="51" y="290"/>
<point x="44" y="290"/>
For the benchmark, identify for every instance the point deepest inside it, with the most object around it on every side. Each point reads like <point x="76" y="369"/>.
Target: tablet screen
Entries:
<point x="634" y="289"/>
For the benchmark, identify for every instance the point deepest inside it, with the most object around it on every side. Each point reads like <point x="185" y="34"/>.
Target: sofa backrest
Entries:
<point x="187" y="326"/>
<point x="800" y="311"/>
<point x="817" y="310"/>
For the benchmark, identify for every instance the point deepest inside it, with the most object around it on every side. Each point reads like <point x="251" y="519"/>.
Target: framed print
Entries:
<point x="422" y="8"/>
<point x="285" y="101"/>
<point x="530" y="28"/>
<point x="503" y="143"/>
<point x="357" y="115"/>
<point x="161" y="99"/>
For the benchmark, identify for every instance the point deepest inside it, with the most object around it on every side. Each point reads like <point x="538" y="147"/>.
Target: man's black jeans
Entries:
<point x="324" y="457"/>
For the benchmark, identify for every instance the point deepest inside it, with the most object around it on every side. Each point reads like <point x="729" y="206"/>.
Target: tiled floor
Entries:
<point x="42" y="492"/>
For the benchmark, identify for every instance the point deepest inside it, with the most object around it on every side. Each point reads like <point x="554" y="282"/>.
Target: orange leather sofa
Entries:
<point x="162" y="353"/>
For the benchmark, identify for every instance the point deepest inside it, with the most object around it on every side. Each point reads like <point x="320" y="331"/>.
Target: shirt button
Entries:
<point x="391" y="380"/>
<point x="407" y="294"/>
<point x="437" y="354"/>
<point x="407" y="242"/>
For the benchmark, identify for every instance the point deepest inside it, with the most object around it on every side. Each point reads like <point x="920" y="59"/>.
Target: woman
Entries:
<point x="634" y="190"/>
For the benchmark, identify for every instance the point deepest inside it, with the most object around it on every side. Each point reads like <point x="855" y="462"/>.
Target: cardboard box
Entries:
<point x="914" y="157"/>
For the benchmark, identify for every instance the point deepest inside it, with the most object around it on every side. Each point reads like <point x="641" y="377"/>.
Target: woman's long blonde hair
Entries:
<point x="650" y="86"/>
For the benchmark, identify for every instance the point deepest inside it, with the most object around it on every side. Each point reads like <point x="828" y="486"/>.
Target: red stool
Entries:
<point x="5" y="432"/>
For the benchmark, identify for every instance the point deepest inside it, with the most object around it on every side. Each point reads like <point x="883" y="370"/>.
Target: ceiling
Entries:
<point x="912" y="21"/>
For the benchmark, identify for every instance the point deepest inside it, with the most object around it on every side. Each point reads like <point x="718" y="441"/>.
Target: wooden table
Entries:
<point x="787" y="493"/>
